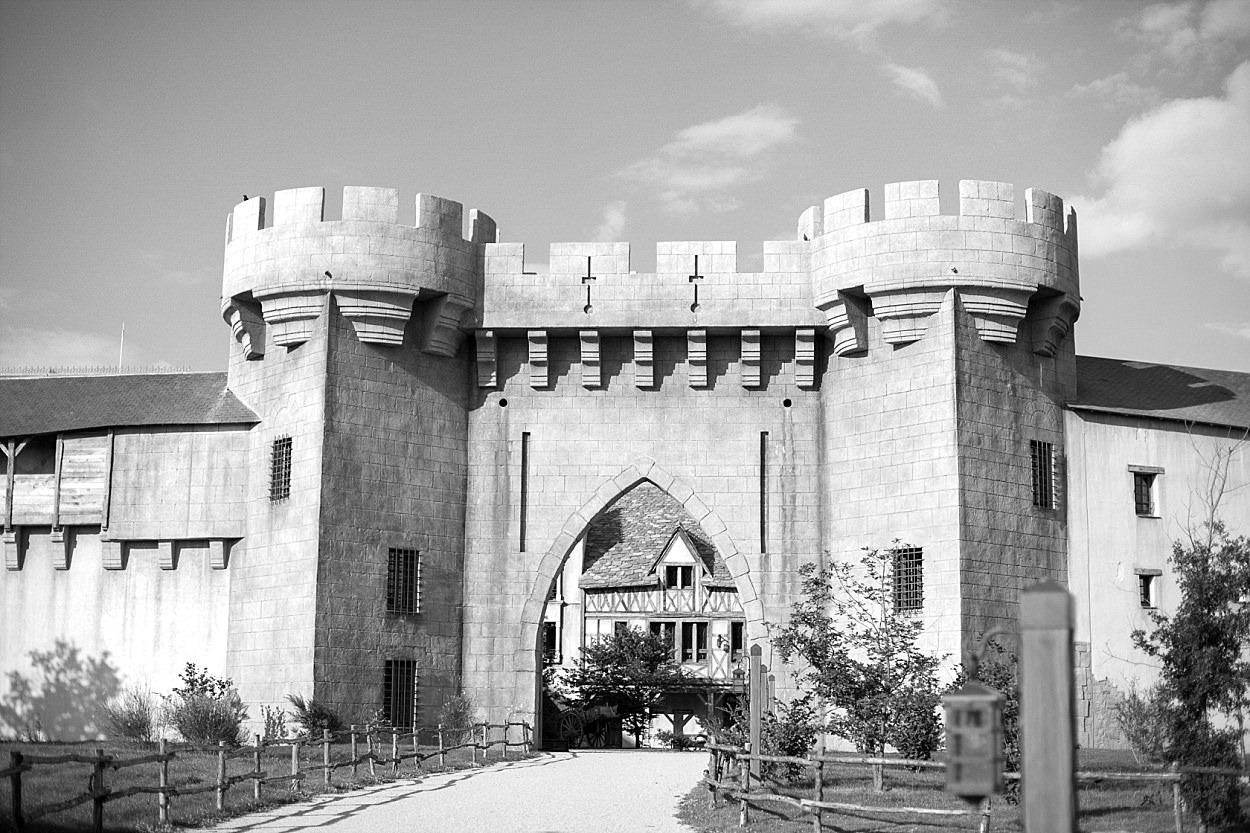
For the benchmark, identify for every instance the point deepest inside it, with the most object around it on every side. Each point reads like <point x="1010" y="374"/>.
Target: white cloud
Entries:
<point x="613" y="223"/>
<point x="158" y="263"/>
<point x="1013" y="69"/>
<point x="1236" y="330"/>
<point x="1117" y="90"/>
<point x="848" y="20"/>
<point x="1178" y="174"/>
<point x="704" y="163"/>
<point x="915" y="82"/>
<point x="1187" y="31"/>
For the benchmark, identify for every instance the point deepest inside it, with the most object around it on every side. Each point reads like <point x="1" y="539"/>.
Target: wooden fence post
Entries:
<point x="369" y="733"/>
<point x="818" y="788"/>
<point x="506" y="724"/>
<point x="294" y="763"/>
<point x="394" y="751"/>
<point x="442" y="751"/>
<point x="1047" y="709"/>
<point x="756" y="705"/>
<point x="985" y="816"/>
<point x="472" y="745"/>
<point x="15" y="788"/>
<point x="222" y="786"/>
<point x="353" y="732"/>
<point x="416" y="748"/>
<point x="744" y="787"/>
<point x="485" y="741"/>
<point x="162" y="798"/>
<point x="256" y="780"/>
<point x="97" y="792"/>
<point x="325" y="756"/>
<point x="1176" y="797"/>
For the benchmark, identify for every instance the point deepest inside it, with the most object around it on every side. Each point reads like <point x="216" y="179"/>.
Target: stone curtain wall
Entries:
<point x="702" y="445"/>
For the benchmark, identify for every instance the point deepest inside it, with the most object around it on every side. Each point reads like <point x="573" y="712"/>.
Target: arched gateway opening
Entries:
<point x="653" y="564"/>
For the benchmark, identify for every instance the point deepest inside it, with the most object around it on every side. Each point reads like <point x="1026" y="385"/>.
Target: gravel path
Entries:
<point x="563" y="792"/>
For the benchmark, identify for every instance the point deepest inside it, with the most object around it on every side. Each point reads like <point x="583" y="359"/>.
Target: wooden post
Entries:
<point x="294" y="763"/>
<point x="98" y="792"/>
<point x="416" y="748"/>
<point x="15" y="786"/>
<point x="1047" y="709"/>
<point x="1176" y="797"/>
<point x="442" y="751"/>
<point x="506" y="724"/>
<point x="394" y="751"/>
<point x="222" y="786"/>
<point x="473" y="745"/>
<point x="353" y="731"/>
<point x="256" y="780"/>
<point x="756" y="704"/>
<point x="162" y="799"/>
<point x="985" y="816"/>
<point x="818" y="793"/>
<point x="325" y="756"/>
<point x="744" y="787"/>
<point x="369" y="734"/>
<point x="485" y="741"/>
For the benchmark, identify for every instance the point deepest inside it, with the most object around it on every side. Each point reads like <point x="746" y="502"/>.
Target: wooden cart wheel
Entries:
<point x="571" y="727"/>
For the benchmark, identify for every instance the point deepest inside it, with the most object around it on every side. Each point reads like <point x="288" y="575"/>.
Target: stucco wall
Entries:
<point x="1109" y="541"/>
<point x="71" y="639"/>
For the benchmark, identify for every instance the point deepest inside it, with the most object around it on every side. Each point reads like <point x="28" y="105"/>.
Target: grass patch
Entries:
<point x="49" y="784"/>
<point x="1142" y="807"/>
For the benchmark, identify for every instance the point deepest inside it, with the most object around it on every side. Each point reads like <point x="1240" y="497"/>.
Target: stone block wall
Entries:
<point x="394" y="473"/>
<point x="584" y="446"/>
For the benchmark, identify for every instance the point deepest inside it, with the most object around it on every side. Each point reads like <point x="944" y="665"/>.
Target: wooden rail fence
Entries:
<point x="99" y="793"/>
<point x="745" y="789"/>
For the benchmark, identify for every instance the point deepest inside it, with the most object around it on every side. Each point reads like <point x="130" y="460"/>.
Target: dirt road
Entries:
<point x="563" y="792"/>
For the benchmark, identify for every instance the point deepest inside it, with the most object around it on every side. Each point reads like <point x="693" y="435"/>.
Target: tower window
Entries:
<point x="399" y="692"/>
<point x="1145" y="494"/>
<point x="1043" y="462"/>
<point x="403" y="581"/>
<point x="908" y="579"/>
<point x="1148" y="588"/>
<point x="280" y="470"/>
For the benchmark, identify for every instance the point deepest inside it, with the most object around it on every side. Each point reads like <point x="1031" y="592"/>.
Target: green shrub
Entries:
<point x="132" y="715"/>
<point x="315" y="717"/>
<point x="1142" y="717"/>
<point x="791" y="731"/>
<point x="275" y="723"/>
<point x="457" y="717"/>
<point x="203" y="719"/>
<point x="206" y="709"/>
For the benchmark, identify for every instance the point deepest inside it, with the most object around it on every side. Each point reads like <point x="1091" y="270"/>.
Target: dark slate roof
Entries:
<point x="625" y="540"/>
<point x="1190" y="394"/>
<point x="53" y="404"/>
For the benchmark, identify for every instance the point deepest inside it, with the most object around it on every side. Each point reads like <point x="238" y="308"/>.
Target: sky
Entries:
<point x="129" y="130"/>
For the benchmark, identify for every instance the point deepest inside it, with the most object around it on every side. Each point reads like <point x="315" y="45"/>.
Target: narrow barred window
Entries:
<point x="403" y="581"/>
<point x="1043" y="457"/>
<point x="1144" y="493"/>
<point x="280" y="470"/>
<point x="908" y="579"/>
<point x="399" y="693"/>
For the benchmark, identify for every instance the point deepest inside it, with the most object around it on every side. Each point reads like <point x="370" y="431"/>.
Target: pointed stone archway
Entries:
<point x="644" y="469"/>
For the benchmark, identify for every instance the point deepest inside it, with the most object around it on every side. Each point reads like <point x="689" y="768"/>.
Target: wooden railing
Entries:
<point x="745" y="789"/>
<point x="99" y="794"/>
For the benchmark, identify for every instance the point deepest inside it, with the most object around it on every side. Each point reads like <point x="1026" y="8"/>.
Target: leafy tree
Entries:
<point x="631" y="671"/>
<point x="1204" y="671"/>
<point x="862" y="658"/>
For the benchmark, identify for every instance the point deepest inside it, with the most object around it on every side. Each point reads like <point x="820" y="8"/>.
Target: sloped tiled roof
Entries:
<point x="53" y="404"/>
<point x="623" y="543"/>
<point x="1190" y="394"/>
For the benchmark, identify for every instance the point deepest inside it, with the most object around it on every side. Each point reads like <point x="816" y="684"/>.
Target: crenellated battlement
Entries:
<point x="276" y="277"/>
<point x="900" y="265"/>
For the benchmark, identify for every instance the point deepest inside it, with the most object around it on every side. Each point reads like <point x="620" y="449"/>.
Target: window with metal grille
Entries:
<point x="280" y="470"/>
<point x="399" y="693"/>
<point x="1043" y="455"/>
<point x="908" y="579"/>
<point x="403" y="581"/>
<point x="1148" y="589"/>
<point x="1144" y="493"/>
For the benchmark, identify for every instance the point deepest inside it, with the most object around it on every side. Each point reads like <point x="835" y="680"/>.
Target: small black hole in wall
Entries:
<point x="786" y="403"/>
<point x="503" y="403"/>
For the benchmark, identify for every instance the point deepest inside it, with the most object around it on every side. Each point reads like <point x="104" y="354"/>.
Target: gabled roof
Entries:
<point x="624" y="543"/>
<point x="1189" y="394"/>
<point x="54" y="404"/>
